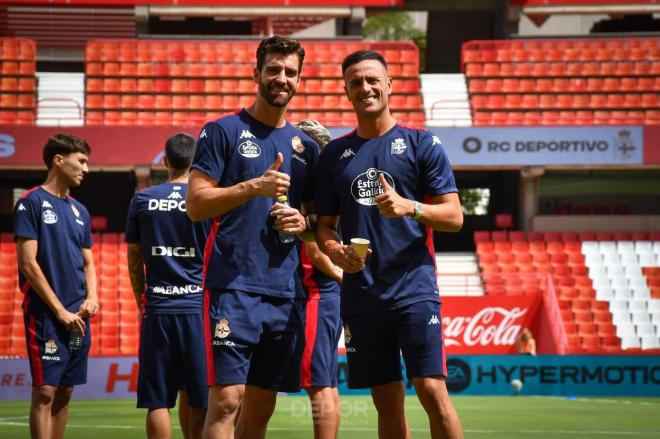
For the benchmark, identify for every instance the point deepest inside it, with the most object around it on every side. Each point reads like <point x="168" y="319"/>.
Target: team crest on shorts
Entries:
<point x="222" y="328"/>
<point x="297" y="145"/>
<point x="50" y="347"/>
<point x="347" y="334"/>
<point x="49" y="217"/>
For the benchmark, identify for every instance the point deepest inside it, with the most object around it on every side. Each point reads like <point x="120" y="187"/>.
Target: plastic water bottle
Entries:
<point x="75" y="340"/>
<point x="285" y="238"/>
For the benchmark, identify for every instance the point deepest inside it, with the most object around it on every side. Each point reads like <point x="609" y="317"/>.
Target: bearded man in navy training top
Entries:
<point x="254" y="306"/>
<point x="392" y="185"/>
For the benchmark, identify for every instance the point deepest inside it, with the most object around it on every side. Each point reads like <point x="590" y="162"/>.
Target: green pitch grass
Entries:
<point x="482" y="417"/>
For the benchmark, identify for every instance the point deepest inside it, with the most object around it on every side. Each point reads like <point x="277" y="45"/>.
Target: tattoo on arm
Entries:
<point x="136" y="270"/>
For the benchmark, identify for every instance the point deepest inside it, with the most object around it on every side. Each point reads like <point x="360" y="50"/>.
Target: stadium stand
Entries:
<point x="164" y="82"/>
<point x="17" y="81"/>
<point x="608" y="290"/>
<point x="595" y="81"/>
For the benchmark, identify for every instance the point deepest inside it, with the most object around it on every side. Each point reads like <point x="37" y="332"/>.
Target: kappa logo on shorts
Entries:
<point x="222" y="329"/>
<point x="50" y="347"/>
<point x="434" y="320"/>
<point x="49" y="217"/>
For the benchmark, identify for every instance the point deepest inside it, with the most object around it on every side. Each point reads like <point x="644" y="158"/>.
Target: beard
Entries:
<point x="275" y="101"/>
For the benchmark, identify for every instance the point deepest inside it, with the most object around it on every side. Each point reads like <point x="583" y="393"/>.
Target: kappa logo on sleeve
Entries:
<point x="21" y="207"/>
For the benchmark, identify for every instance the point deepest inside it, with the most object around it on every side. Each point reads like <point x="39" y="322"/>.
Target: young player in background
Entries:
<point x="57" y="275"/>
<point x="165" y="248"/>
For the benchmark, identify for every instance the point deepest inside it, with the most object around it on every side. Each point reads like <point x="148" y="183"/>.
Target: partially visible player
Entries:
<point x="57" y="275"/>
<point x="392" y="185"/>
<point x="321" y="279"/>
<point x="164" y="243"/>
<point x="254" y="324"/>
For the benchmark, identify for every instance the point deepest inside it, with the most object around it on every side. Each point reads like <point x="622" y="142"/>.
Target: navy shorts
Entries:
<point x="172" y="358"/>
<point x="51" y="361"/>
<point x="254" y="339"/>
<point x="374" y="343"/>
<point x="322" y="331"/>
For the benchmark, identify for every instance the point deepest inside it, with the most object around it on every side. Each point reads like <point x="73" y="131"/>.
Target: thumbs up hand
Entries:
<point x="392" y="205"/>
<point x="274" y="183"/>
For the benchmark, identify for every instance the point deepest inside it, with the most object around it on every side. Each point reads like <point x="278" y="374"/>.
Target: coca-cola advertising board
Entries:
<point x="488" y="324"/>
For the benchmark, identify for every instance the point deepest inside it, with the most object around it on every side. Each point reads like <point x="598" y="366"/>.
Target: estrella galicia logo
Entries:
<point x="472" y="145"/>
<point x="366" y="187"/>
<point x="459" y="375"/>
<point x="249" y="149"/>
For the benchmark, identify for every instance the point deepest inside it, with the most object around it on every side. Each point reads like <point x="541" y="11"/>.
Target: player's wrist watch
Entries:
<point x="418" y="211"/>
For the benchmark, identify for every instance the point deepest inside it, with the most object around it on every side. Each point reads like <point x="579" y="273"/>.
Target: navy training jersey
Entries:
<point x="244" y="251"/>
<point x="401" y="269"/>
<point x="62" y="229"/>
<point x="172" y="248"/>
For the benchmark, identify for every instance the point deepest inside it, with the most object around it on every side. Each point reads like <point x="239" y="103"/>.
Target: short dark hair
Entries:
<point x="179" y="150"/>
<point x="63" y="144"/>
<point x="359" y="56"/>
<point x="282" y="45"/>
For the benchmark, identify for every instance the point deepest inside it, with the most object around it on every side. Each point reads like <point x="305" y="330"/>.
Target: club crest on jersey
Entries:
<point x="366" y="187"/>
<point x="49" y="217"/>
<point x="297" y="145"/>
<point x="50" y="346"/>
<point x="347" y="334"/>
<point x="75" y="211"/>
<point x="249" y="149"/>
<point x="398" y="147"/>
<point x="222" y="328"/>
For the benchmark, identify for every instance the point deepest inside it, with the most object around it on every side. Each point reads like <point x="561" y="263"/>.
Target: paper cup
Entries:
<point x="360" y="245"/>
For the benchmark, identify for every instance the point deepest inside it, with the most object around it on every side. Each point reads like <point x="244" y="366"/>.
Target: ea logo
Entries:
<point x="472" y="145"/>
<point x="7" y="147"/>
<point x="459" y="375"/>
